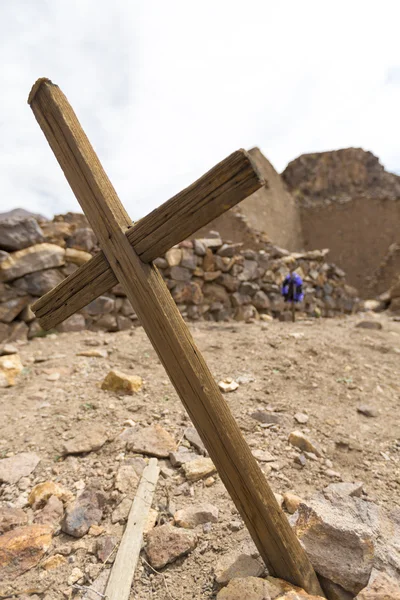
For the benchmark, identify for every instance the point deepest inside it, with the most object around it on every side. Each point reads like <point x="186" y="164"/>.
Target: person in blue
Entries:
<point x="292" y="290"/>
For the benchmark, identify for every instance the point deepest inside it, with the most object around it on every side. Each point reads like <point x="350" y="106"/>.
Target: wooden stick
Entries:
<point x="123" y="570"/>
<point x="225" y="185"/>
<point x="150" y="298"/>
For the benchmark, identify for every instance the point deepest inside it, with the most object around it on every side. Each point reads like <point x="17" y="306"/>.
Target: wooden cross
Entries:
<point x="127" y="252"/>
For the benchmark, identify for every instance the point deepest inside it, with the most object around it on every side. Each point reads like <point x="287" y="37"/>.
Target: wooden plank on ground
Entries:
<point x="123" y="570"/>
<point x="221" y="188"/>
<point x="150" y="298"/>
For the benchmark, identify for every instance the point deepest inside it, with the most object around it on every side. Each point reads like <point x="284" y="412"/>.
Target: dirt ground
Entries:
<point x="324" y="368"/>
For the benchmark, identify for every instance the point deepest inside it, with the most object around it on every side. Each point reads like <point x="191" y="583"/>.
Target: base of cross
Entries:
<point x="126" y="253"/>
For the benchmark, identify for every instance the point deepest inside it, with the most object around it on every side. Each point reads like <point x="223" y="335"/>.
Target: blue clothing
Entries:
<point x="292" y="288"/>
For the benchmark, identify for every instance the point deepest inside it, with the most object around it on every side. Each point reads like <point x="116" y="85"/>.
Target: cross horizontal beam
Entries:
<point x="220" y="189"/>
<point x="171" y="338"/>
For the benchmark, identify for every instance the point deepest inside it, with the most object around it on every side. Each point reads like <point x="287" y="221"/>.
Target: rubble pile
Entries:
<point x="208" y="278"/>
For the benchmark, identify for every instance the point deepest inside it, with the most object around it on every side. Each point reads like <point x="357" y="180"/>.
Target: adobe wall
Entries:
<point x="271" y="214"/>
<point x="358" y="234"/>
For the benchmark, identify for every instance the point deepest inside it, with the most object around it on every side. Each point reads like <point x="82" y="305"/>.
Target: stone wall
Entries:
<point x="208" y="278"/>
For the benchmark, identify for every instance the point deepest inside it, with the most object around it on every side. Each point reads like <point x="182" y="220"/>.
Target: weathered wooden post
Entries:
<point x="126" y="250"/>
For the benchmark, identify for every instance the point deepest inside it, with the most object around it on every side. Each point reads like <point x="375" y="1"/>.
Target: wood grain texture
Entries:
<point x="220" y="189"/>
<point x="123" y="569"/>
<point x="169" y="335"/>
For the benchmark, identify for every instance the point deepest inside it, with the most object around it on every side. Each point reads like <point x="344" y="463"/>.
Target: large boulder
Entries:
<point x="346" y="537"/>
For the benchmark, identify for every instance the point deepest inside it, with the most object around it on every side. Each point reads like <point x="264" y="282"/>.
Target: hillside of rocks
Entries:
<point x="339" y="176"/>
<point x="209" y="278"/>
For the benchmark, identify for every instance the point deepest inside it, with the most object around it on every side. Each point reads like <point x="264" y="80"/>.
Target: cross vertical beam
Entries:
<point x="151" y="300"/>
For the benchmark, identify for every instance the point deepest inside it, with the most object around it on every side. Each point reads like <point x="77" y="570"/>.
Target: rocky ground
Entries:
<point x="335" y="382"/>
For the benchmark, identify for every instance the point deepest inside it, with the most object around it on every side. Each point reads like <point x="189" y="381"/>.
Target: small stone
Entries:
<point x="247" y="588"/>
<point x="76" y="575"/>
<point x="235" y="565"/>
<point x="42" y="492"/>
<point x="235" y="525"/>
<point x="264" y="416"/>
<point x="99" y="353"/>
<point x="228" y="385"/>
<point x="126" y="479"/>
<point x="116" y="381"/>
<point x="10" y="368"/>
<point x="291" y="502"/>
<point x="15" y="467"/>
<point x="301" y="418"/>
<point x="105" y="547"/>
<point x="367" y="411"/>
<point x="198" y="469"/>
<point x="53" y="377"/>
<point x="54" y="562"/>
<point x="195" y="440"/>
<point x="120" y="514"/>
<point x="153" y="440"/>
<point x="301" y="460"/>
<point x="370" y="325"/>
<point x="11" y="518"/>
<point x="89" y="439"/>
<point x="22" y="548"/>
<point x="263" y="455"/>
<point x="96" y="530"/>
<point x="301" y="441"/>
<point x="209" y="481"/>
<point x="167" y="543"/>
<point x="87" y="510"/>
<point x="333" y="474"/>
<point x="189" y="518"/>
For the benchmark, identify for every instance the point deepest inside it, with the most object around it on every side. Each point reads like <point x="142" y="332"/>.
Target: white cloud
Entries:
<point x="166" y="89"/>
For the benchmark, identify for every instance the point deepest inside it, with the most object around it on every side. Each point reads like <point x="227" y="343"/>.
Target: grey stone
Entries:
<point x="87" y="510"/>
<point x="344" y="489"/>
<point x="11" y="309"/>
<point x="237" y="564"/>
<point x="180" y="273"/>
<point x="195" y="440"/>
<point x="73" y="323"/>
<point x="181" y="456"/>
<point x="120" y="514"/>
<point x="16" y="234"/>
<point x="101" y="305"/>
<point x="264" y="416"/>
<point x="261" y="301"/>
<point x="374" y="325"/>
<point x="367" y="411"/>
<point x="38" y="284"/>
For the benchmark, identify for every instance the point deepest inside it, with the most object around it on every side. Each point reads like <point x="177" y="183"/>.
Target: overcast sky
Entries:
<point x="166" y="88"/>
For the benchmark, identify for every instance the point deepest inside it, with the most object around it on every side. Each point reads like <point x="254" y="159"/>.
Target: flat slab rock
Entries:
<point x="237" y="564"/>
<point x="198" y="468"/>
<point x="22" y="548"/>
<point x="167" y="543"/>
<point x="255" y="588"/>
<point x="88" y="439"/>
<point x="346" y="537"/>
<point x="190" y="517"/>
<point x="117" y="381"/>
<point x="15" y="467"/>
<point x="153" y="440"/>
<point x="301" y="441"/>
